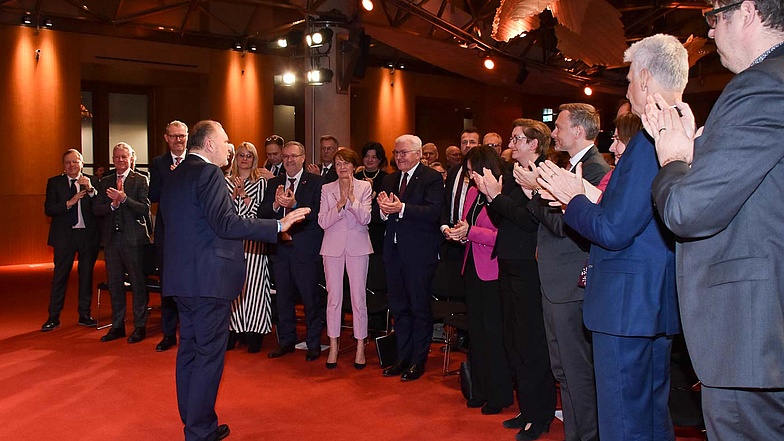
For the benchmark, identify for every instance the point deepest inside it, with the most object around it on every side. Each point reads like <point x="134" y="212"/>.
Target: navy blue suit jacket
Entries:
<point x="417" y="232"/>
<point x="204" y="255"/>
<point x="630" y="290"/>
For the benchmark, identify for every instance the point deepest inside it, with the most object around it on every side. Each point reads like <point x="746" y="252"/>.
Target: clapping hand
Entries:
<point x="672" y="129"/>
<point x="561" y="184"/>
<point x="292" y="218"/>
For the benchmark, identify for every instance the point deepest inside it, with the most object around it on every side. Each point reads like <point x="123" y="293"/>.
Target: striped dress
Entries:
<point x="252" y="310"/>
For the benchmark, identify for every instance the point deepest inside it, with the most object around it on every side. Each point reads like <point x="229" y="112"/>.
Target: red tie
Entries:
<point x="119" y="183"/>
<point x="177" y="161"/>
<point x="403" y="184"/>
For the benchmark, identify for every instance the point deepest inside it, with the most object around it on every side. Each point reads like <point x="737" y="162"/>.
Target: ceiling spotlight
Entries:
<point x="588" y="91"/>
<point x="567" y="59"/>
<point x="252" y="48"/>
<point x="368" y="5"/>
<point x="319" y="38"/>
<point x="289" y="78"/>
<point x="489" y="63"/>
<point x="282" y="42"/>
<point x="238" y="46"/>
<point x="27" y="19"/>
<point x="402" y="66"/>
<point x="317" y="77"/>
<point x="48" y="22"/>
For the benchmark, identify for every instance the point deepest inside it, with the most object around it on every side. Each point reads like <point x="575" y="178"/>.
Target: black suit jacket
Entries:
<point x="307" y="235"/>
<point x="331" y="176"/>
<point x="131" y="215"/>
<point x="417" y="232"/>
<point x="204" y="253"/>
<point x="268" y="166"/>
<point x="58" y="192"/>
<point x="562" y="251"/>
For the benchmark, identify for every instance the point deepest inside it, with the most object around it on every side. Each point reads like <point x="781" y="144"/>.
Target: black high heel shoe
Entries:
<point x="331" y="365"/>
<point x="533" y="432"/>
<point x="359" y="366"/>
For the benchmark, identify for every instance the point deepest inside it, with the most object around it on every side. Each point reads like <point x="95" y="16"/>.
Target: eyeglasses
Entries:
<point x="402" y="152"/>
<point x="245" y="155"/>
<point x="177" y="136"/>
<point x="711" y="16"/>
<point x="287" y="157"/>
<point x="517" y="138"/>
<point x="493" y="145"/>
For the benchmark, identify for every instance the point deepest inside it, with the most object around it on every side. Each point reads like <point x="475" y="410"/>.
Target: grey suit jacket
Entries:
<point x="728" y="210"/>
<point x="562" y="252"/>
<point x="131" y="216"/>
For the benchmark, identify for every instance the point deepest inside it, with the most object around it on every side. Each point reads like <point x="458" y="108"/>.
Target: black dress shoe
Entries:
<point x="137" y="335"/>
<point x="87" y="321"/>
<point x="517" y="422"/>
<point x="166" y="343"/>
<point x="281" y="351"/>
<point x="489" y="409"/>
<point x="50" y="325"/>
<point x="332" y="365"/>
<point x="113" y="334"/>
<point x="532" y="431"/>
<point x="313" y="354"/>
<point x="254" y="339"/>
<point x="396" y="369"/>
<point x="475" y="403"/>
<point x="222" y="431"/>
<point x="413" y="373"/>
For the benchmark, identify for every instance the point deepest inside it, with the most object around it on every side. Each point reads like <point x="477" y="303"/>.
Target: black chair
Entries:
<point x="447" y="292"/>
<point x="452" y="324"/>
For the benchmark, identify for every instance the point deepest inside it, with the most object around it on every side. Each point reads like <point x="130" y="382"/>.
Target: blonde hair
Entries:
<point x="255" y="174"/>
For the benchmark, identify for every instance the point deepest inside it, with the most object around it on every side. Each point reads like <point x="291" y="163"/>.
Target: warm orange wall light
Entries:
<point x="394" y="108"/>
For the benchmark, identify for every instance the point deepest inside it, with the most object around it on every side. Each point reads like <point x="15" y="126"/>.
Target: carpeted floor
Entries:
<point x="67" y="385"/>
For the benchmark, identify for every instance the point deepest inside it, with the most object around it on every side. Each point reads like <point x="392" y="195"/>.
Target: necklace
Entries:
<point x="364" y="173"/>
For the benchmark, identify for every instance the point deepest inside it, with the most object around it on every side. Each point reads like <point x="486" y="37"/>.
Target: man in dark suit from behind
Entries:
<point x="204" y="271"/>
<point x="328" y="146"/>
<point x="410" y="203"/>
<point x="562" y="254"/>
<point x="124" y="206"/>
<point x="719" y="191"/>
<point x="176" y="137"/>
<point x="297" y="262"/>
<point x="73" y="230"/>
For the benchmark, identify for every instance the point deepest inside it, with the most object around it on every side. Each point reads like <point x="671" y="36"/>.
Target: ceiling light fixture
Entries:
<point x="319" y="38"/>
<point x="238" y="46"/>
<point x="367" y="5"/>
<point x="48" y="22"/>
<point x="27" y="19"/>
<point x="317" y="77"/>
<point x="489" y="63"/>
<point x="587" y="90"/>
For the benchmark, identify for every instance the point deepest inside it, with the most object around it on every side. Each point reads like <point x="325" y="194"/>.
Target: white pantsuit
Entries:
<point x="346" y="245"/>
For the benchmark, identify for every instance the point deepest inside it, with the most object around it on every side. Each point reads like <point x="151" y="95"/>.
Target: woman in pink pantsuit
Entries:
<point x="344" y="216"/>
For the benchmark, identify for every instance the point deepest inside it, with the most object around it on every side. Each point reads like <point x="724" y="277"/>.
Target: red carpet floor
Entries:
<point x="66" y="385"/>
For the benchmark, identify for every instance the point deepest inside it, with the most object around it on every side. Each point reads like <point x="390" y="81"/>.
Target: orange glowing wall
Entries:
<point x="241" y="96"/>
<point x="390" y="107"/>
<point x="40" y="119"/>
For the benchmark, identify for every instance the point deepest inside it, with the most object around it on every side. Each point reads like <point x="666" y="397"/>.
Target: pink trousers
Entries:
<point x="356" y="267"/>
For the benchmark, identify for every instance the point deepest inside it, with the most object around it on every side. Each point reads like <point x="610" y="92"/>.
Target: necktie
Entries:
<point x="457" y="198"/>
<point x="177" y="161"/>
<point x="292" y="181"/>
<point x="74" y="213"/>
<point x="324" y="170"/>
<point x="119" y="183"/>
<point x="403" y="184"/>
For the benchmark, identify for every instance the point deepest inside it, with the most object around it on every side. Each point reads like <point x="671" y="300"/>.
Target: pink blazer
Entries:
<point x="345" y="230"/>
<point x="481" y="239"/>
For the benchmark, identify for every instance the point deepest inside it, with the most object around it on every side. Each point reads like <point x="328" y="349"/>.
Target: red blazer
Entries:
<point x="481" y="239"/>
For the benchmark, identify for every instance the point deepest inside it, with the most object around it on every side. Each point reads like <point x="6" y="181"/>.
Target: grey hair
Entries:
<point x="298" y="144"/>
<point x="664" y="57"/>
<point x="414" y="141"/>
<point x="124" y="146"/>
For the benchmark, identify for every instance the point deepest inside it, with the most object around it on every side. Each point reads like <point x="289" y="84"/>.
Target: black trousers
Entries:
<point x="525" y="340"/>
<point x="79" y="241"/>
<point x="490" y="375"/>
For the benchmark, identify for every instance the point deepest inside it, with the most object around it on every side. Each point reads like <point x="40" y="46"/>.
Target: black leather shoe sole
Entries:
<point x="281" y="351"/>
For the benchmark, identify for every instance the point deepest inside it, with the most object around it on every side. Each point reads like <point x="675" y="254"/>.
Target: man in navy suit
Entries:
<point x="297" y="265"/>
<point x="630" y="300"/>
<point x="410" y="202"/>
<point x="73" y="230"/>
<point x="204" y="270"/>
<point x="176" y="137"/>
<point x="719" y="191"/>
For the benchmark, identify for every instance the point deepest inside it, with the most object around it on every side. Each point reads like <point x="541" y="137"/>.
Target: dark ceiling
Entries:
<point x="431" y="36"/>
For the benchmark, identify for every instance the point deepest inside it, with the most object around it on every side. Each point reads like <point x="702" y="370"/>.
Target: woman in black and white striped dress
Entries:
<point x="251" y="312"/>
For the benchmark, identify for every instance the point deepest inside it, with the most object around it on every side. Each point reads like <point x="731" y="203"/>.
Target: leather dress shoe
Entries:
<point x="413" y="373"/>
<point x="489" y="409"/>
<point x="396" y="369"/>
<point x="222" y="431"/>
<point x="313" y="354"/>
<point x="113" y="334"/>
<point x="281" y="351"/>
<point x="475" y="403"/>
<point x="50" y="325"/>
<point x="532" y="431"/>
<point x="166" y="343"/>
<point x="137" y="335"/>
<point x="517" y="422"/>
<point x="86" y="320"/>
